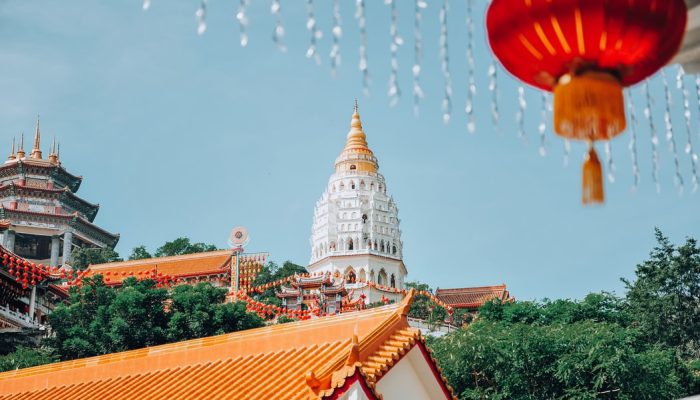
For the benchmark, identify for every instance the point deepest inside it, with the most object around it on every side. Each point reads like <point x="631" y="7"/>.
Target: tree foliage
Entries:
<point x="180" y="246"/>
<point x="558" y="350"/>
<point x="25" y="357"/>
<point x="643" y="346"/>
<point x="83" y="257"/>
<point x="139" y="253"/>
<point x="271" y="272"/>
<point x="99" y="320"/>
<point x="665" y="297"/>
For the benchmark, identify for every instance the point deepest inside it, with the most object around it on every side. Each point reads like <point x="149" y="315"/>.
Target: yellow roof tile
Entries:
<point x="301" y="360"/>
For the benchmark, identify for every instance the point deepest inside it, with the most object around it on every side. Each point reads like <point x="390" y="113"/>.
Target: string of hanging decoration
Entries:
<point x="588" y="63"/>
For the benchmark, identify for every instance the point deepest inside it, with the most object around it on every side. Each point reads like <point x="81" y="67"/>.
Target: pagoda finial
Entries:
<point x="20" y="148"/>
<point x="58" y="152"/>
<point x="12" y="153"/>
<point x="53" y="157"/>
<point x="356" y="137"/>
<point x="36" y="151"/>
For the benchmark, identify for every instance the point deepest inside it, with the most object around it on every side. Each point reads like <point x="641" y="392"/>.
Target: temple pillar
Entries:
<point x="32" y="303"/>
<point x="55" y="250"/>
<point x="67" y="246"/>
<point x="10" y="240"/>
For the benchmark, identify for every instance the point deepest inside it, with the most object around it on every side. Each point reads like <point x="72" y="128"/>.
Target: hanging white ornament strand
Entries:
<point x="315" y="33"/>
<point x="362" y="23"/>
<point x="396" y="41"/>
<point x="471" y="83"/>
<point x="146" y="5"/>
<point x="201" y="17"/>
<point x="678" y="180"/>
<point x="567" y="152"/>
<point x="633" y="139"/>
<point x="242" y="18"/>
<point x="278" y="32"/>
<point x="609" y="161"/>
<point x="337" y="33"/>
<point x="445" y="64"/>
<point x="520" y="114"/>
<point x="417" y="54"/>
<point x="654" y="138"/>
<point x="493" y="88"/>
<point x="680" y="83"/>
<point x="542" y="128"/>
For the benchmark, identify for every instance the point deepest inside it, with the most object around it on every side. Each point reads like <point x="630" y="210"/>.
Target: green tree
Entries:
<point x="182" y="246"/>
<point x="84" y="256"/>
<point x="139" y="253"/>
<point x="558" y="349"/>
<point x="98" y="320"/>
<point x="25" y="357"/>
<point x="198" y="311"/>
<point x="271" y="272"/>
<point x="665" y="297"/>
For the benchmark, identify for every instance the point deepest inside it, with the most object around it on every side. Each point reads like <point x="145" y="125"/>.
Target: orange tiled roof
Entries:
<point x="311" y="359"/>
<point x="472" y="297"/>
<point x="211" y="262"/>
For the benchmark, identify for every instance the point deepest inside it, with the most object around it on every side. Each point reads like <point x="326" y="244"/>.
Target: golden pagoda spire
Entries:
<point x="36" y="151"/>
<point x="53" y="157"/>
<point x="12" y="154"/>
<point x="356" y="155"/>
<point x="20" y="148"/>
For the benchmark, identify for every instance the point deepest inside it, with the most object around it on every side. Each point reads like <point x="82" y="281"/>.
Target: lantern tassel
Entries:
<point x="592" y="179"/>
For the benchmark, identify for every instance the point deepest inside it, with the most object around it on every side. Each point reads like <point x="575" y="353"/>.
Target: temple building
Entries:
<point x="471" y="298"/>
<point x="366" y="355"/>
<point x="355" y="233"/>
<point x="47" y="219"/>
<point x="42" y="221"/>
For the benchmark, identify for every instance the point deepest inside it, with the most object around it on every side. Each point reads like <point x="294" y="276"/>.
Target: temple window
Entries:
<point x="382" y="278"/>
<point x="350" y="276"/>
<point x="362" y="276"/>
<point x="371" y="276"/>
<point x="352" y="184"/>
<point x="393" y="281"/>
<point x="342" y="186"/>
<point x="350" y="244"/>
<point x="353" y="167"/>
<point x="362" y="184"/>
<point x="393" y="250"/>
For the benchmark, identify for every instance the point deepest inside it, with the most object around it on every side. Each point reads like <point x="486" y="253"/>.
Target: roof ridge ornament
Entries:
<point x="12" y="153"/>
<point x="20" y="148"/>
<point x="36" y="151"/>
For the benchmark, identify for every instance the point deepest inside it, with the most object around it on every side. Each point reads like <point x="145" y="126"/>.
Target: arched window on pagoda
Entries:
<point x="393" y="249"/>
<point x="375" y="245"/>
<point x="352" y="184"/>
<point x="350" y="276"/>
<point x="371" y="276"/>
<point x="342" y="186"/>
<point x="332" y="246"/>
<point x="350" y="244"/>
<point x="362" y="184"/>
<point x="353" y="167"/>
<point x="393" y="281"/>
<point x="382" y="277"/>
<point x="382" y="246"/>
<point x="371" y="186"/>
<point x="362" y="276"/>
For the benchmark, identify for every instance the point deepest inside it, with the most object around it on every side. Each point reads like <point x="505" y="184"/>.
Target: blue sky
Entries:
<point x="182" y="135"/>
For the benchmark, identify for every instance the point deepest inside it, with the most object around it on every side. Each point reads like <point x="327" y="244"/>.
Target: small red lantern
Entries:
<point x="586" y="51"/>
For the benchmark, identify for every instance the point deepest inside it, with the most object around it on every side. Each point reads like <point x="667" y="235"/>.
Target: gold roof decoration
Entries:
<point x="20" y="148"/>
<point x="356" y="155"/>
<point x="36" y="151"/>
<point x="12" y="153"/>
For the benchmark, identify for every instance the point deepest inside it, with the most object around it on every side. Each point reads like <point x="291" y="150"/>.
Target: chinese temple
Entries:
<point x="47" y="220"/>
<point x="355" y="233"/>
<point x="371" y="354"/>
<point x="314" y="293"/>
<point x="471" y="298"/>
<point x="42" y="221"/>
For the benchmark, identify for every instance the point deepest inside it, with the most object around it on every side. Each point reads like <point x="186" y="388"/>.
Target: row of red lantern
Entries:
<point x="425" y="293"/>
<point x="28" y="273"/>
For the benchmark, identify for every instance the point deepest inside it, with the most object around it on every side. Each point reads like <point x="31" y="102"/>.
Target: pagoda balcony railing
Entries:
<point x="17" y="317"/>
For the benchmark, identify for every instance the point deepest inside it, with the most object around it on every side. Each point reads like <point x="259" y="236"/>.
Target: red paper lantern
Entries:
<point x="586" y="52"/>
